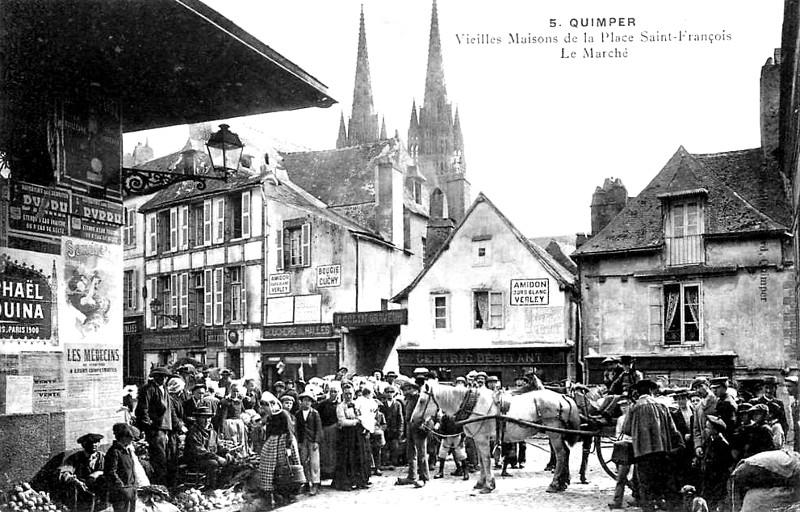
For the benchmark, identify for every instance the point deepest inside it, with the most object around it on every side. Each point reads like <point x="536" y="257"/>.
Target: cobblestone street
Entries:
<point x="524" y="491"/>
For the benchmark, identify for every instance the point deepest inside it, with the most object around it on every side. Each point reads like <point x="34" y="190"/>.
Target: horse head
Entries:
<point x="426" y="406"/>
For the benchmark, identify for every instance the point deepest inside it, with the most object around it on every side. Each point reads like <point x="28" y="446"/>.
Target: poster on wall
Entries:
<point x="93" y="374"/>
<point x="96" y="220"/>
<point x="37" y="209"/>
<point x="28" y="302"/>
<point x="91" y="143"/>
<point x="46" y="368"/>
<point x="91" y="291"/>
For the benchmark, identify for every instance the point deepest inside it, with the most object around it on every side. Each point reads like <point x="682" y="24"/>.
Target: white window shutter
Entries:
<point x="151" y="321"/>
<point x="184" y="299"/>
<point x="219" y="220"/>
<point x="279" y="249"/>
<point x="244" y="295"/>
<point x="136" y="289"/>
<point x="207" y="222"/>
<point x="246" y="214"/>
<point x="305" y="245"/>
<point x="655" y="314"/>
<point x="207" y="297"/>
<point x="218" y="296"/>
<point x="150" y="224"/>
<point x="183" y="234"/>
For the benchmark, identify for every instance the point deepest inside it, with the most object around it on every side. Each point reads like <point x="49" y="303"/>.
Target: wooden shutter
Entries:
<point x="173" y="229"/>
<point x="173" y="296"/>
<point x="655" y="314"/>
<point x="183" y="234"/>
<point x="208" y="305"/>
<point x="136" y="289"/>
<point x="305" y="245"/>
<point x="150" y="236"/>
<point x="153" y="289"/>
<point x="183" y="306"/>
<point x="218" y="217"/>
<point x="208" y="225"/>
<point x="246" y="214"/>
<point x="244" y="294"/>
<point x="226" y="301"/>
<point x="191" y="308"/>
<point x="279" y="246"/>
<point x="218" y="296"/>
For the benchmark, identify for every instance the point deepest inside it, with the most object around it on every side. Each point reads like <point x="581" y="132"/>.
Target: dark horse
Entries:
<point x="543" y="407"/>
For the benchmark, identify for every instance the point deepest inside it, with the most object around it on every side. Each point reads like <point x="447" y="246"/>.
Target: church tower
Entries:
<point x="434" y="137"/>
<point x="363" y="124"/>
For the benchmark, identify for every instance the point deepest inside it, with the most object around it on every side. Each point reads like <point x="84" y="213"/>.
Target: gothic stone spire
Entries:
<point x="363" y="126"/>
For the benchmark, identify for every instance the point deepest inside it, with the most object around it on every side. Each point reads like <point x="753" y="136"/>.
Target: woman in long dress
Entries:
<point x="353" y="458"/>
<point x="280" y="443"/>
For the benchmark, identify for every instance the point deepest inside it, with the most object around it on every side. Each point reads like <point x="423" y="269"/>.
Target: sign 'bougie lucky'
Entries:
<point x="530" y="292"/>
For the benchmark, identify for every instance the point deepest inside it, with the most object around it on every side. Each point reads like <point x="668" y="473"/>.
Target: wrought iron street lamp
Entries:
<point x="224" y="149"/>
<point x="156" y="307"/>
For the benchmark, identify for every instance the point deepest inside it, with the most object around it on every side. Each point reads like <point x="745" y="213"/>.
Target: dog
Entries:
<point x="692" y="502"/>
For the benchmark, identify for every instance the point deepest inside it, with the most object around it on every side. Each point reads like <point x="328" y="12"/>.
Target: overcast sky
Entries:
<point x="540" y="131"/>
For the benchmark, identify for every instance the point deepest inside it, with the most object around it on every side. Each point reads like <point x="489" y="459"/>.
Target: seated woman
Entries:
<point x="80" y="475"/>
<point x="230" y="425"/>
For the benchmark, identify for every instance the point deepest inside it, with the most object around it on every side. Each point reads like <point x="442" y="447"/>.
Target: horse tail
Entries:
<point x="573" y="422"/>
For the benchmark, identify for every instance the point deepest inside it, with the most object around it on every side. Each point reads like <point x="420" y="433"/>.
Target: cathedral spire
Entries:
<point x="341" y="140"/>
<point x="435" y="89"/>
<point x="413" y="131"/>
<point x="383" y="129"/>
<point x="363" y="127"/>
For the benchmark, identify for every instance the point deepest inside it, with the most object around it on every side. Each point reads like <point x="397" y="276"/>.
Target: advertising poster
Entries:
<point x="93" y="374"/>
<point x="37" y="209"/>
<point x="91" y="291"/>
<point x="28" y="299"/>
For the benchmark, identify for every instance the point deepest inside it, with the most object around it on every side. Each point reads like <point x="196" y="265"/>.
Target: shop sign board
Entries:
<point x="307" y="309"/>
<point x="530" y="292"/>
<point x="279" y="284"/>
<point x="37" y="209"/>
<point x="297" y="331"/>
<point x="329" y="276"/>
<point x="369" y="318"/>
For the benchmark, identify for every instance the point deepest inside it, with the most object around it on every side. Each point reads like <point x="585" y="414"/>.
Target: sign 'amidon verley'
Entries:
<point x="530" y="292"/>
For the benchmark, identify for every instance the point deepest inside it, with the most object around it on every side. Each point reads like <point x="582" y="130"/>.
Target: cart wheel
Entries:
<point x="604" y="446"/>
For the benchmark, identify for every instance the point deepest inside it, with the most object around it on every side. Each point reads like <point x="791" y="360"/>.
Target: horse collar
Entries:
<point x="467" y="405"/>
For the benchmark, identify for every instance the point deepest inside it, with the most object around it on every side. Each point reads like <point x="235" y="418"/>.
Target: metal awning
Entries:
<point x="168" y="62"/>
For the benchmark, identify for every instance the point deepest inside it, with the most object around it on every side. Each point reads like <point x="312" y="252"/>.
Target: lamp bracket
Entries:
<point x="143" y="182"/>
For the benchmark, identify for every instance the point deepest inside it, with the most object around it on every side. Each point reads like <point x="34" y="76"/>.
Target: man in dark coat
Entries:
<point x="201" y="449"/>
<point x="80" y="474"/>
<point x="717" y="461"/>
<point x="726" y="405"/>
<point x="416" y="442"/>
<point x="156" y="417"/>
<point x="118" y="471"/>
<point x="654" y="437"/>
<point x="308" y="426"/>
<point x="198" y="399"/>
<point x="392" y="411"/>
<point x="707" y="407"/>
<point x="770" y="396"/>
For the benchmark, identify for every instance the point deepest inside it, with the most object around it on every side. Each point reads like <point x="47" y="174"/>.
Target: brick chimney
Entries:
<point x="607" y="202"/>
<point x="770" y="106"/>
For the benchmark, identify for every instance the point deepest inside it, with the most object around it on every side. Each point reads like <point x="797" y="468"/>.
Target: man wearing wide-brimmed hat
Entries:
<point x="202" y="450"/>
<point x="156" y="417"/>
<point x="770" y="396"/>
<point x="80" y="472"/>
<point x="654" y="437"/>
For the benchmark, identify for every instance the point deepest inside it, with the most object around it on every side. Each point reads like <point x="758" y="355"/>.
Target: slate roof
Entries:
<point x="337" y="176"/>
<point x="559" y="273"/>
<point x="287" y="193"/>
<point x="744" y="196"/>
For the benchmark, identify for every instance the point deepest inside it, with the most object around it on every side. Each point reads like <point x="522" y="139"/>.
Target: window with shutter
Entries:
<point x="173" y="229"/>
<point x="128" y="288"/>
<point x="152" y="232"/>
<point x="135" y="303"/>
<point x="173" y="297"/>
<point x="246" y="214"/>
<point x="184" y="299"/>
<point x="208" y="298"/>
<point x="153" y="293"/>
<point x="207" y="225"/>
<point x="196" y="298"/>
<point x="129" y="231"/>
<point x="244" y="295"/>
<point x="279" y="245"/>
<point x="306" y="245"/>
<point x="236" y="293"/>
<point x="218" y="296"/>
<point x="654" y="313"/>
<point x="196" y="225"/>
<point x="183" y="234"/>
<point x="219" y="220"/>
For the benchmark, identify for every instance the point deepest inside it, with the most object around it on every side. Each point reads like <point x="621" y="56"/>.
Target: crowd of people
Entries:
<point x="697" y="442"/>
<point x="348" y="428"/>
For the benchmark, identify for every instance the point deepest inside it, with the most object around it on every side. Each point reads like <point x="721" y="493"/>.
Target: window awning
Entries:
<point x="168" y="62"/>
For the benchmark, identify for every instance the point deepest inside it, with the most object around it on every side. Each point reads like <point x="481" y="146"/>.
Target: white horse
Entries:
<point x="543" y="407"/>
